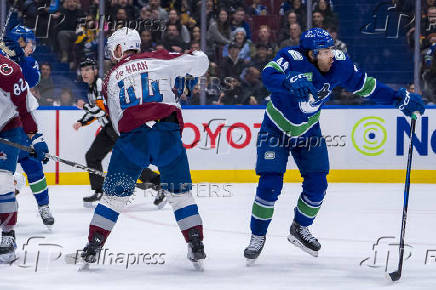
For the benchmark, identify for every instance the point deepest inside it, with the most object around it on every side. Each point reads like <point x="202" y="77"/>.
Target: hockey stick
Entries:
<point x="395" y="276"/>
<point x="53" y="157"/>
<point x="2" y="33"/>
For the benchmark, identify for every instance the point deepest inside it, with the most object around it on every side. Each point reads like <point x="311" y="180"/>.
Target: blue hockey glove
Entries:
<point x="15" y="47"/>
<point x="409" y="102"/>
<point x="40" y="148"/>
<point x="300" y="86"/>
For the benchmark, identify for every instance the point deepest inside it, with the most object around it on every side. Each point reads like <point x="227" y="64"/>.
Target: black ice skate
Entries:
<point x="7" y="248"/>
<point x="89" y="254"/>
<point x="93" y="248"/>
<point x="196" y="250"/>
<point x="46" y="216"/>
<point x="89" y="201"/>
<point x="254" y="248"/>
<point x="160" y="201"/>
<point x="301" y="237"/>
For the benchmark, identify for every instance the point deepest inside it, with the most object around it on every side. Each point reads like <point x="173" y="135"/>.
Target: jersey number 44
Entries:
<point x="129" y="98"/>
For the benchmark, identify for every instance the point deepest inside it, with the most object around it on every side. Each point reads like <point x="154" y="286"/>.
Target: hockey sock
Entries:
<point x="310" y="201"/>
<point x="268" y="190"/>
<point x="186" y="212"/>
<point x="35" y="176"/>
<point x="103" y="221"/>
<point x="8" y="221"/>
<point x="40" y="190"/>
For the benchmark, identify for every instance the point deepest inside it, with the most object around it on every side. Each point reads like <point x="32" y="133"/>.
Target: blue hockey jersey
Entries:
<point x="295" y="118"/>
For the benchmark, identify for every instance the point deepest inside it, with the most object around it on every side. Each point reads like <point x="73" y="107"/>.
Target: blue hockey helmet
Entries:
<point x="23" y="32"/>
<point x="315" y="39"/>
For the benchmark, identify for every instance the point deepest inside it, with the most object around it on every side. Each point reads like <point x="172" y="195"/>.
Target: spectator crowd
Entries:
<point x="427" y="44"/>
<point x="242" y="37"/>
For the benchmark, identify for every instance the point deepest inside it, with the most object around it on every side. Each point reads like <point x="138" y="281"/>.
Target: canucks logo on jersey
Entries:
<point x="313" y="105"/>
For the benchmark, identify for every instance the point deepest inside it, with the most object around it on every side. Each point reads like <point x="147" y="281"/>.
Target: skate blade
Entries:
<point x="298" y="244"/>
<point x="74" y="259"/>
<point x="49" y="227"/>
<point x="83" y="268"/>
<point x="8" y="258"/>
<point x="89" y="204"/>
<point x="198" y="265"/>
<point x="162" y="204"/>
<point x="250" y="262"/>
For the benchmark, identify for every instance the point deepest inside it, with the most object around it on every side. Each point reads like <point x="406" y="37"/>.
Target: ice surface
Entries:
<point x="351" y="220"/>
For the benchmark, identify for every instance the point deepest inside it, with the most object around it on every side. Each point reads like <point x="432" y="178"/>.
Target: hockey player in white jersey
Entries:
<point x="14" y="117"/>
<point x="143" y="109"/>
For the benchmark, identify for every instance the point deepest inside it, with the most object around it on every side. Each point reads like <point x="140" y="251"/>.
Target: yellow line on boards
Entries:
<point x="249" y="176"/>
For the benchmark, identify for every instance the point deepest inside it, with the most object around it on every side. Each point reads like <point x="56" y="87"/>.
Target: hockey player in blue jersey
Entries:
<point x="301" y="80"/>
<point x="21" y="40"/>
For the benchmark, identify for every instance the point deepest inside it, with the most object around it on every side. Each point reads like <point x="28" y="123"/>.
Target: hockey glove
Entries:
<point x="15" y="47"/>
<point x="298" y="84"/>
<point x="409" y="102"/>
<point x="40" y="147"/>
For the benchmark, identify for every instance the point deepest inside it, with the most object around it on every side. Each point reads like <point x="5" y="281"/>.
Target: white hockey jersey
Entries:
<point x="16" y="102"/>
<point x="140" y="87"/>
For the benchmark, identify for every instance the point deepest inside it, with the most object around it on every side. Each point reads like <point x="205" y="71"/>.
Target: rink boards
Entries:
<point x="365" y="145"/>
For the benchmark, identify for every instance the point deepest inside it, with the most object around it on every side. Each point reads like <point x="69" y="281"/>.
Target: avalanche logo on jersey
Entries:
<point x="313" y="105"/>
<point x="6" y="69"/>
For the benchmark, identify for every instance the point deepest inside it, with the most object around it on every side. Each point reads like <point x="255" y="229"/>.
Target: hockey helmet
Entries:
<point x="127" y="38"/>
<point x="316" y="39"/>
<point x="23" y="32"/>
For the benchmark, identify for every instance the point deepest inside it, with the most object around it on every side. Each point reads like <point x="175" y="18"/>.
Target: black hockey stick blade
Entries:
<point x="395" y="276"/>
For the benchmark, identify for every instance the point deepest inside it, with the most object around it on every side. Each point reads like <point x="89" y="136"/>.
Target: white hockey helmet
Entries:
<point x="127" y="38"/>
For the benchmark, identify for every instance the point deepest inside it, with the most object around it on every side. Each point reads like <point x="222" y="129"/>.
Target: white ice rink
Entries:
<point x="351" y="220"/>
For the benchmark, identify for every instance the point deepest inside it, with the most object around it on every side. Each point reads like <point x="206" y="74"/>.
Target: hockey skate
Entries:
<point x="254" y="249"/>
<point x="7" y="248"/>
<point x="89" y="254"/>
<point x="160" y="201"/>
<point x="46" y="216"/>
<point x="196" y="250"/>
<point x="302" y="238"/>
<point x="90" y="201"/>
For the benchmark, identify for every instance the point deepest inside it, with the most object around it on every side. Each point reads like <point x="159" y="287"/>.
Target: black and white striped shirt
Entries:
<point x="95" y="109"/>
